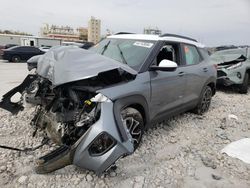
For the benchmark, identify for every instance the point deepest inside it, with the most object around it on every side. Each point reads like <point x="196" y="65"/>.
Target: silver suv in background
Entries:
<point x="95" y="104"/>
<point x="233" y="67"/>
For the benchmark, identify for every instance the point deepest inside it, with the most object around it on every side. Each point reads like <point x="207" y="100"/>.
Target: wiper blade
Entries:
<point x="105" y="47"/>
<point x="121" y="53"/>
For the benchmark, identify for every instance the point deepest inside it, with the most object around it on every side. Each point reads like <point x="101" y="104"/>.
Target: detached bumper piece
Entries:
<point x="55" y="160"/>
<point x="12" y="107"/>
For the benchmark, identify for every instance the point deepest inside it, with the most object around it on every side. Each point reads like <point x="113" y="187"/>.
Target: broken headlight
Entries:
<point x="102" y="144"/>
<point x="234" y="66"/>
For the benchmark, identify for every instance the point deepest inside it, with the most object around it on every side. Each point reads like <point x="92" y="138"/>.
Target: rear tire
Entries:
<point x="244" y="86"/>
<point x="133" y="121"/>
<point x="205" y="101"/>
<point x="16" y="59"/>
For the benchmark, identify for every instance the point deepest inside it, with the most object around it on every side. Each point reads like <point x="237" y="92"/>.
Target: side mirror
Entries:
<point x="165" y="65"/>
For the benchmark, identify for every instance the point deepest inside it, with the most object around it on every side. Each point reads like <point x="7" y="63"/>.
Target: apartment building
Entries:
<point x="152" y="31"/>
<point x="94" y="30"/>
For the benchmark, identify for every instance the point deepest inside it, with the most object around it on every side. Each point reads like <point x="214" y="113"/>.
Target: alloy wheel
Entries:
<point x="133" y="122"/>
<point x="206" y="100"/>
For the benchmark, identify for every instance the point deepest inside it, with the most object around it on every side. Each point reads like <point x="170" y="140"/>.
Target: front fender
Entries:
<point x="120" y="104"/>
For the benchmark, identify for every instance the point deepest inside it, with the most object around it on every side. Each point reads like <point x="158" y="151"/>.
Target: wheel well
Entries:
<point x="141" y="110"/>
<point x="212" y="85"/>
<point x="248" y="71"/>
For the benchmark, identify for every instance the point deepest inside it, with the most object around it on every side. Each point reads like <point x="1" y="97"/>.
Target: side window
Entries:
<point x="32" y="49"/>
<point x="191" y="54"/>
<point x="22" y="49"/>
<point x="35" y="50"/>
<point x="169" y="52"/>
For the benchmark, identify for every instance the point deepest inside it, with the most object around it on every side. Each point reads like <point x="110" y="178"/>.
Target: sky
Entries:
<point x="212" y="22"/>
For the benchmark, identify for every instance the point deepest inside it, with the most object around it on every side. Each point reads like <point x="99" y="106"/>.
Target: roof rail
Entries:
<point x="179" y="36"/>
<point x="122" y="33"/>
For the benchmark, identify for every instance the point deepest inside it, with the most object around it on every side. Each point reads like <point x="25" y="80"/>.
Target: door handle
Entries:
<point x="205" y="69"/>
<point x="181" y="74"/>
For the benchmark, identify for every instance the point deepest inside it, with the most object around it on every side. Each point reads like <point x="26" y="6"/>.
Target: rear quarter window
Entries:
<point x="191" y="55"/>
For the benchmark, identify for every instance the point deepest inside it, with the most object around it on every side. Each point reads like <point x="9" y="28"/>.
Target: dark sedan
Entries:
<point x="20" y="53"/>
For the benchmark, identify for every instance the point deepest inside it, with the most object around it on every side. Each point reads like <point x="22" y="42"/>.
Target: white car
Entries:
<point x="45" y="48"/>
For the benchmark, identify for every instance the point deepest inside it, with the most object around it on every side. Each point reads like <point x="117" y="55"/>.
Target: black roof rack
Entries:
<point x="179" y="36"/>
<point x="122" y="33"/>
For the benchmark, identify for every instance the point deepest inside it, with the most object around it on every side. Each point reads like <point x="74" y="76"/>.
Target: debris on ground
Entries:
<point x="184" y="151"/>
<point x="239" y="149"/>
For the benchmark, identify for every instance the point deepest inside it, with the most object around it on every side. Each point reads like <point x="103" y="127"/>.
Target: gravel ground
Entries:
<point x="180" y="152"/>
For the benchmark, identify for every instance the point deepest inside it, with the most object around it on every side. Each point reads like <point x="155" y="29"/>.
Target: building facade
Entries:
<point x="22" y="40"/>
<point x="64" y="33"/>
<point x="83" y="33"/>
<point x="152" y="31"/>
<point x="94" y="30"/>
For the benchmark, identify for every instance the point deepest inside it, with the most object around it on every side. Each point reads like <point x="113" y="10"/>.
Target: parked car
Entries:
<point x="1" y="50"/>
<point x="6" y="47"/>
<point x="20" y="53"/>
<point x="10" y="45"/>
<point x="84" y="45"/>
<point x="45" y="48"/>
<point x="233" y="67"/>
<point x="87" y="45"/>
<point x="97" y="103"/>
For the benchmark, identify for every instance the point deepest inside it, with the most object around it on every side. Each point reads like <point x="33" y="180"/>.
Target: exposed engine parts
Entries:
<point x="65" y="113"/>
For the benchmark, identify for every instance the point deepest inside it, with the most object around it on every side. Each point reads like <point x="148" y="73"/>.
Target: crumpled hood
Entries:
<point x="64" y="64"/>
<point x="229" y="58"/>
<point x="232" y="56"/>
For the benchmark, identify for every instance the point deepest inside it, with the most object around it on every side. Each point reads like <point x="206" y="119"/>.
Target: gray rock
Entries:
<point x="222" y="135"/>
<point x="208" y="162"/>
<point x="89" y="178"/>
<point x="139" y="182"/>
<point x="3" y="168"/>
<point x="216" y="177"/>
<point x="23" y="179"/>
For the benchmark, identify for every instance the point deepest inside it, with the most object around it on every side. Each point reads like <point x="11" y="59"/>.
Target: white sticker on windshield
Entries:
<point x="143" y="44"/>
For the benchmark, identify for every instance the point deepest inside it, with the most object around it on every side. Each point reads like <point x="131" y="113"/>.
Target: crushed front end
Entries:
<point x="75" y="115"/>
<point x="230" y="74"/>
<point x="231" y="66"/>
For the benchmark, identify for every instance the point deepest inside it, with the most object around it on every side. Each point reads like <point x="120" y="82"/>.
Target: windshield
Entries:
<point x="127" y="51"/>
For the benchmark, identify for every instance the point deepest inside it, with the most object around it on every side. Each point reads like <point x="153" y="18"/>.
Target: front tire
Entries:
<point x="133" y="122"/>
<point x="244" y="86"/>
<point x="205" y="101"/>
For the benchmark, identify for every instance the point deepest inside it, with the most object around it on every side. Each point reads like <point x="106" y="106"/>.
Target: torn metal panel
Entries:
<point x="15" y="107"/>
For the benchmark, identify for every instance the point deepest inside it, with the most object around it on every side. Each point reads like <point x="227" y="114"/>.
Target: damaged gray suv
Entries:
<point x="233" y="67"/>
<point x="95" y="104"/>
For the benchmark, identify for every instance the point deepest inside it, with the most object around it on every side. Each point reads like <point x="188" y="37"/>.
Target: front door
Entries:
<point x="167" y="88"/>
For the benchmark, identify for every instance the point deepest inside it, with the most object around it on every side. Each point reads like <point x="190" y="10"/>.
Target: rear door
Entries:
<point x="167" y="88"/>
<point x="24" y="52"/>
<point x="32" y="51"/>
<point x="196" y="73"/>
